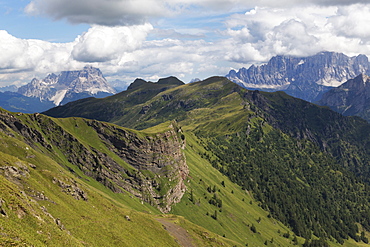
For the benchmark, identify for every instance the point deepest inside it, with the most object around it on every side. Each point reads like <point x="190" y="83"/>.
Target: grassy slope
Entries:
<point x="99" y="221"/>
<point x="111" y="108"/>
<point x="226" y="116"/>
<point x="236" y="217"/>
<point x="239" y="210"/>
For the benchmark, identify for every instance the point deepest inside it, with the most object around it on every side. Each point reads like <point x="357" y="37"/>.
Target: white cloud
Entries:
<point x="12" y="48"/>
<point x="352" y="21"/>
<point x="300" y="3"/>
<point x="101" y="12"/>
<point x="22" y="55"/>
<point x="161" y="58"/>
<point x="125" y="52"/>
<point x="133" y="12"/>
<point x="264" y="32"/>
<point x="101" y="44"/>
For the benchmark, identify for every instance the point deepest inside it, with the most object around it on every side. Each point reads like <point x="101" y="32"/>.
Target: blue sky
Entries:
<point x="24" y="26"/>
<point x="189" y="39"/>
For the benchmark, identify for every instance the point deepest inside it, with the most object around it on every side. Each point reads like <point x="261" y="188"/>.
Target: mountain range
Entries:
<point x="67" y="86"/>
<point x="53" y="90"/>
<point x="302" y="77"/>
<point x="307" y="78"/>
<point x="208" y="163"/>
<point x="305" y="166"/>
<point x="11" y="88"/>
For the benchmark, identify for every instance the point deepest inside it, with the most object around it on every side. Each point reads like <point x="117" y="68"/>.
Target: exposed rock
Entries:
<point x="303" y="77"/>
<point x="65" y="87"/>
<point x="32" y="165"/>
<point x="145" y="109"/>
<point x="162" y="154"/>
<point x="71" y="188"/>
<point x="2" y="210"/>
<point x="59" y="223"/>
<point x="351" y="98"/>
<point x="15" y="172"/>
<point x="44" y="209"/>
<point x="21" y="212"/>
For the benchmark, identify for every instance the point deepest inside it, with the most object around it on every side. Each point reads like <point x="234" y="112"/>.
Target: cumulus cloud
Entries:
<point x="21" y="55"/>
<point x="161" y="58"/>
<point x="352" y="21"/>
<point x="126" y="52"/>
<point x="263" y="32"/>
<point x="101" y="44"/>
<point x="22" y="59"/>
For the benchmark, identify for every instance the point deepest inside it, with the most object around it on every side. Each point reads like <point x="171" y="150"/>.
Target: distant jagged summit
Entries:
<point x="351" y="98"/>
<point x="57" y="88"/>
<point x="303" y="77"/>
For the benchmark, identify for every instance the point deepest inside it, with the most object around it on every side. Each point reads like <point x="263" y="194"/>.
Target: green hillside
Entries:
<point x="49" y="200"/>
<point x="226" y="166"/>
<point x="111" y="108"/>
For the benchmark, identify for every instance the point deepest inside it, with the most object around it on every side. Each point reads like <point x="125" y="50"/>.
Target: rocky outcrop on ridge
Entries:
<point x="156" y="167"/>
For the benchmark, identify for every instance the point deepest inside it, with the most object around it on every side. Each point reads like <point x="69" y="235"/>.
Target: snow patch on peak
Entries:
<point x="54" y="88"/>
<point x="330" y="82"/>
<point x="58" y="97"/>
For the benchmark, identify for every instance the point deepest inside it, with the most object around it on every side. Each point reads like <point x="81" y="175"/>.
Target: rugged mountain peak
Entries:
<point x="56" y="88"/>
<point x="364" y="78"/>
<point x="303" y="77"/>
<point x="351" y="98"/>
<point x="51" y="79"/>
<point x="358" y="83"/>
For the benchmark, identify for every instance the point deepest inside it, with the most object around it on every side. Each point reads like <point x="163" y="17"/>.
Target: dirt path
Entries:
<point x="181" y="235"/>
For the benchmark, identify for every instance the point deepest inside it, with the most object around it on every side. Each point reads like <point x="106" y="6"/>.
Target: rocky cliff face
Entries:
<point x="351" y="98"/>
<point x="156" y="168"/>
<point x="64" y="87"/>
<point x="303" y="77"/>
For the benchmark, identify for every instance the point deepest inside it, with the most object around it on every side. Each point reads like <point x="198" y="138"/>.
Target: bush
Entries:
<point x="253" y="228"/>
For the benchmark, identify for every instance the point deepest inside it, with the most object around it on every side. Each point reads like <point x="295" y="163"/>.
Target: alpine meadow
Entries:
<point x="168" y="123"/>
<point x="232" y="167"/>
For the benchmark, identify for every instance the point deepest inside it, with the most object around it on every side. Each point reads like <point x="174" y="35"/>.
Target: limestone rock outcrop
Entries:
<point x="302" y="77"/>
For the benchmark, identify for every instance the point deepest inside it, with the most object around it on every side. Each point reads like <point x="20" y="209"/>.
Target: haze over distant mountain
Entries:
<point x="11" y="88"/>
<point x="351" y="98"/>
<point x="68" y="86"/>
<point x="303" y="77"/>
<point x="40" y="95"/>
<point x="118" y="85"/>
